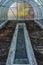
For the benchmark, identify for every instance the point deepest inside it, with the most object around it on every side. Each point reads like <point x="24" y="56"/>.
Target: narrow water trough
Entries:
<point x="21" y="51"/>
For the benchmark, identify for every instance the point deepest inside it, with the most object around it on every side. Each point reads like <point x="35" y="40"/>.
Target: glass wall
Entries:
<point x="3" y="14"/>
<point x="20" y="11"/>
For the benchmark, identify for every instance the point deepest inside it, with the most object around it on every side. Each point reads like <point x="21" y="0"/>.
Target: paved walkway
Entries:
<point x="21" y="51"/>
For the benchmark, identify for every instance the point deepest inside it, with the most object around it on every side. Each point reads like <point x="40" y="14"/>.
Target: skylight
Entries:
<point x="38" y="2"/>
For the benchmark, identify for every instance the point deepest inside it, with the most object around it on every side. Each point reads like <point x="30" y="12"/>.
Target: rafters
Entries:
<point x="6" y="2"/>
<point x="39" y="2"/>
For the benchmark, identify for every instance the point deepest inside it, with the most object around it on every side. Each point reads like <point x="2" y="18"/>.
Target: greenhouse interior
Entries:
<point x="21" y="32"/>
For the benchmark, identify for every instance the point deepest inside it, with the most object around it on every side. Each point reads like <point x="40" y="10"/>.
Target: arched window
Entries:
<point x="20" y="10"/>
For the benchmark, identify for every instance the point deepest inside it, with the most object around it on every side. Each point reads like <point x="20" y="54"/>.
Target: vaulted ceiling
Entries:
<point x="9" y="2"/>
<point x="37" y="6"/>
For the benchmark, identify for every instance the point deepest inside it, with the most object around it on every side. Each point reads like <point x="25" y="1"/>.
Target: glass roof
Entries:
<point x="39" y="2"/>
<point x="9" y="2"/>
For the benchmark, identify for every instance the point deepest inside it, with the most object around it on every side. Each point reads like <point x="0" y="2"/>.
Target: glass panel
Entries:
<point x="21" y="10"/>
<point x="3" y="14"/>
